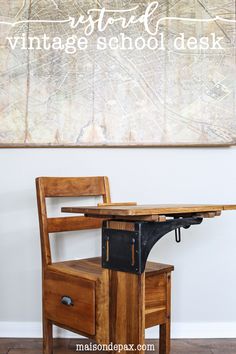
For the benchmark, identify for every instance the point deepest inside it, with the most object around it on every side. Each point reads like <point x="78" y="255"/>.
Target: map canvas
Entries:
<point x="123" y="96"/>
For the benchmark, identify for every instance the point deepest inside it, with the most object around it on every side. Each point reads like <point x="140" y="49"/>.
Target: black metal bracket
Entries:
<point x="128" y="251"/>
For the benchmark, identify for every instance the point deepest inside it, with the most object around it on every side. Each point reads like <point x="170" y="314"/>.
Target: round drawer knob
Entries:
<point x="66" y="300"/>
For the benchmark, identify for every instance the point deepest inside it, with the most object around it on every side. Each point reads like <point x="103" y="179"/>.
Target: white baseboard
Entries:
<point x="198" y="330"/>
<point x="30" y="330"/>
<point x="179" y="330"/>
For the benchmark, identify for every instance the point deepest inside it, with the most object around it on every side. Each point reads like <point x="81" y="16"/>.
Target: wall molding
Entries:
<point x="179" y="330"/>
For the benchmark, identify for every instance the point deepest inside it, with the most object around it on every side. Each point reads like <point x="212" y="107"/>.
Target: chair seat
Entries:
<point x="91" y="268"/>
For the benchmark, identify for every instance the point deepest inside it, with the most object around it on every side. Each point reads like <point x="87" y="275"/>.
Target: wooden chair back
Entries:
<point x="51" y="187"/>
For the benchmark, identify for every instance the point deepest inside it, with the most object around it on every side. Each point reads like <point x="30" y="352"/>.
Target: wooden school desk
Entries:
<point x="129" y="232"/>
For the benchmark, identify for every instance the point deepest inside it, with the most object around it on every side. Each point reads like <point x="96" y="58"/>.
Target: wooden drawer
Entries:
<point x="79" y="316"/>
<point x="155" y="299"/>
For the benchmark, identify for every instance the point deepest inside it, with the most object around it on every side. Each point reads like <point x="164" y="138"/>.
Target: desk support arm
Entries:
<point x="153" y="232"/>
<point x="127" y="251"/>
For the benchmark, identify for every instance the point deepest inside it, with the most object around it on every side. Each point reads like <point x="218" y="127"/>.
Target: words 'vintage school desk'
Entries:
<point x="115" y="297"/>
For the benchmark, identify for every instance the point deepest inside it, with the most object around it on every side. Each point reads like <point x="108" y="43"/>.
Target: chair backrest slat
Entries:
<point x="74" y="223"/>
<point x="74" y="187"/>
<point x="52" y="187"/>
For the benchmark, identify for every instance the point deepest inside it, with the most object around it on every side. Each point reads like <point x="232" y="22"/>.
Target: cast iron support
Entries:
<point x="128" y="251"/>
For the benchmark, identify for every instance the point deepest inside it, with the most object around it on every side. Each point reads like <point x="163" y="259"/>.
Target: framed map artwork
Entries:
<point x="117" y="73"/>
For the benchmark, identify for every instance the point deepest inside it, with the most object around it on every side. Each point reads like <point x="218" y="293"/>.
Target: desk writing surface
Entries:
<point x="140" y="210"/>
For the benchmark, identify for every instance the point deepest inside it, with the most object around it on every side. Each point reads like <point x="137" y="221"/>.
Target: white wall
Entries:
<point x="204" y="283"/>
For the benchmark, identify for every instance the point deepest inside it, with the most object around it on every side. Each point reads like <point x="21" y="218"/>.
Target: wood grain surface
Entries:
<point x="127" y="309"/>
<point x="155" y="209"/>
<point x="79" y="281"/>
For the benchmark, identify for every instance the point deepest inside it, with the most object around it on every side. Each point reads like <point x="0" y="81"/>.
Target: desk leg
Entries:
<point x="127" y="321"/>
<point x="47" y="336"/>
<point x="164" y="346"/>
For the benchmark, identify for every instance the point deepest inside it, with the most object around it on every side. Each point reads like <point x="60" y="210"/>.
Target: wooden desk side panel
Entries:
<point x="127" y="310"/>
<point x="102" y="308"/>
